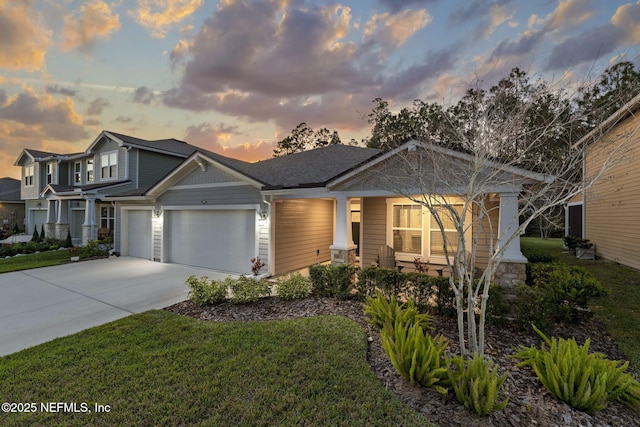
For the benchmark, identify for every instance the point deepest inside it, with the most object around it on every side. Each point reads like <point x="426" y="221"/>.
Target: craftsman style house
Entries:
<point x="65" y="192"/>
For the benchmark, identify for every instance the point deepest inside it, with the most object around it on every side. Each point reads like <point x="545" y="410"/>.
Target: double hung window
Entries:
<point x="109" y="165"/>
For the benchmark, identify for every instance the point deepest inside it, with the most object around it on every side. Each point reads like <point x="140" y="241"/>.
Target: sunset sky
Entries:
<point x="235" y="76"/>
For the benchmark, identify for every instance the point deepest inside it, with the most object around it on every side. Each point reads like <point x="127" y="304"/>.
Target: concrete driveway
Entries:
<point x="45" y="303"/>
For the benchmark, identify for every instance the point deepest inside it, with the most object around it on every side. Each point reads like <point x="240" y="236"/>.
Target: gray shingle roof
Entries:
<point x="170" y="145"/>
<point x="9" y="189"/>
<point x="313" y="168"/>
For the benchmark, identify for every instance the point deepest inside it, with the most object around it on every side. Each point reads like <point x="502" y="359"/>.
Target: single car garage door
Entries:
<point x="218" y="239"/>
<point x="139" y="234"/>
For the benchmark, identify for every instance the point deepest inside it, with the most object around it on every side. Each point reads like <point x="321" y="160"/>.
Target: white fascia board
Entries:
<point x="103" y="133"/>
<point x="298" y="193"/>
<point x="189" y="165"/>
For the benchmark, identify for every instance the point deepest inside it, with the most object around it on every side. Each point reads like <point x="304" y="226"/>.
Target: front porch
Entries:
<point x="357" y="226"/>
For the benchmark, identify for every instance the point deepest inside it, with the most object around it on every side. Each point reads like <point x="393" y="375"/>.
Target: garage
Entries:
<point x="139" y="233"/>
<point x="222" y="240"/>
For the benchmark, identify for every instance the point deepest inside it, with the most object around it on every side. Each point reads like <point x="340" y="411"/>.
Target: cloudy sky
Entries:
<point x="234" y="76"/>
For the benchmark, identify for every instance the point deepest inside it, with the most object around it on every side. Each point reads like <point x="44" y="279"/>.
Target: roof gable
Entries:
<point x="449" y="159"/>
<point x="171" y="146"/>
<point x="9" y="189"/>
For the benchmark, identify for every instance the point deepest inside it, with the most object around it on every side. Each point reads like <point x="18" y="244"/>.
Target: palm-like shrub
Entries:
<point x="477" y="384"/>
<point x="380" y="311"/>
<point x="586" y="381"/>
<point x="417" y="357"/>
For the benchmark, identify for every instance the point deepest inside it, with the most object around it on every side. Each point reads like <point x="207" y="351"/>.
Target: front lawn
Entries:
<point x="159" y="368"/>
<point x="619" y="309"/>
<point x="25" y="262"/>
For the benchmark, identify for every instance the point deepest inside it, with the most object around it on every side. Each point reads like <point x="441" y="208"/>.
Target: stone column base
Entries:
<point x="509" y="274"/>
<point x="61" y="231"/>
<point x="50" y="230"/>
<point x="343" y="255"/>
<point x="88" y="233"/>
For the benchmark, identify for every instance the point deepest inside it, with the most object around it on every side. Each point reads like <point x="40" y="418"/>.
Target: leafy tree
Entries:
<point x="517" y="123"/>
<point x="304" y="138"/>
<point x="616" y="86"/>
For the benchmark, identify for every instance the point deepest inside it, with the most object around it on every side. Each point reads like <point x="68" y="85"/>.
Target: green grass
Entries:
<point x="25" y="262"/>
<point x="619" y="309"/>
<point x="159" y="368"/>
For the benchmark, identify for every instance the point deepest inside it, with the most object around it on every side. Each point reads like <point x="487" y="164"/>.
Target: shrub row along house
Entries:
<point x="169" y="201"/>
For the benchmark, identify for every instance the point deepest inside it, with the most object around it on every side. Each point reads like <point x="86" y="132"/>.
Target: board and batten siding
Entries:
<point x="229" y="195"/>
<point x="303" y="232"/>
<point x="150" y="166"/>
<point x="373" y="221"/>
<point x="612" y="206"/>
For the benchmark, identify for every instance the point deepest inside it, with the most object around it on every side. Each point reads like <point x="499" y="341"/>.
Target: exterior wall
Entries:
<point x="611" y="217"/>
<point x="150" y="167"/>
<point x="12" y="213"/>
<point x="31" y="192"/>
<point x="374" y="226"/>
<point x="487" y="231"/>
<point x="303" y="232"/>
<point x="244" y="194"/>
<point x="373" y="221"/>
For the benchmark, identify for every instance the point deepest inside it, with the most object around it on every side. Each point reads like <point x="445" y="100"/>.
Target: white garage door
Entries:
<point x="139" y="234"/>
<point x="221" y="240"/>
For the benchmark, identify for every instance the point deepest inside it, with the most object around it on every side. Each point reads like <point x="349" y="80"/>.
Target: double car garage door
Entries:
<point x="218" y="239"/>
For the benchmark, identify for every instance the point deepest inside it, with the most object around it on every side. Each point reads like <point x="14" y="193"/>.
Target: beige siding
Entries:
<point x="373" y="221"/>
<point x="302" y="228"/>
<point x="486" y="232"/>
<point x="612" y="220"/>
<point x="374" y="225"/>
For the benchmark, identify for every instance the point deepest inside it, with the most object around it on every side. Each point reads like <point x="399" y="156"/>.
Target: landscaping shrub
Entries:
<point x="68" y="243"/>
<point x="333" y="280"/>
<point x="244" y="289"/>
<point x="382" y="311"/>
<point x="93" y="249"/>
<point x="294" y="286"/>
<point x="569" y="288"/>
<point x="35" y="237"/>
<point x="416" y="356"/>
<point x="203" y="291"/>
<point x="532" y="306"/>
<point x="586" y="381"/>
<point x="477" y="384"/>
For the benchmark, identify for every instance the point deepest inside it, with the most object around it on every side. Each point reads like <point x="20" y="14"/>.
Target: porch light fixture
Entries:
<point x="263" y="214"/>
<point x="157" y="212"/>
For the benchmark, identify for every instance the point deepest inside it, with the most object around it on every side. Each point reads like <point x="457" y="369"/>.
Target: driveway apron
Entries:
<point x="45" y="303"/>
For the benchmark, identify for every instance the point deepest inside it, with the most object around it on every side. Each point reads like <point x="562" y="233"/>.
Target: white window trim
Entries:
<point x="108" y="166"/>
<point x="92" y="170"/>
<point x="29" y="171"/>
<point x="49" y="171"/>
<point x="425" y="254"/>
<point x="77" y="173"/>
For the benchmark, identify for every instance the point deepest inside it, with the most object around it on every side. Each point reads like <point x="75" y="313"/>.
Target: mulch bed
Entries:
<point x="529" y="403"/>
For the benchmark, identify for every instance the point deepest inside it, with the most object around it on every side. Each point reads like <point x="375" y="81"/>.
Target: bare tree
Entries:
<point x="494" y="153"/>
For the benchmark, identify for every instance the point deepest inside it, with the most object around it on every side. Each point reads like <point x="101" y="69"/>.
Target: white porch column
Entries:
<point x="343" y="250"/>
<point x="63" y="212"/>
<point x="50" y="223"/>
<point x="62" y="223"/>
<point x="342" y="238"/>
<point x="89" y="224"/>
<point x="51" y="211"/>
<point x="508" y="225"/>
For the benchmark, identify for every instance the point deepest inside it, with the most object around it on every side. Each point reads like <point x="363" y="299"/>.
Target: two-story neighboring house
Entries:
<point x="64" y="192"/>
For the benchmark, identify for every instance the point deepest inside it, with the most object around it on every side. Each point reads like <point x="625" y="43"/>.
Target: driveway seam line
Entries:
<point x="77" y="293"/>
